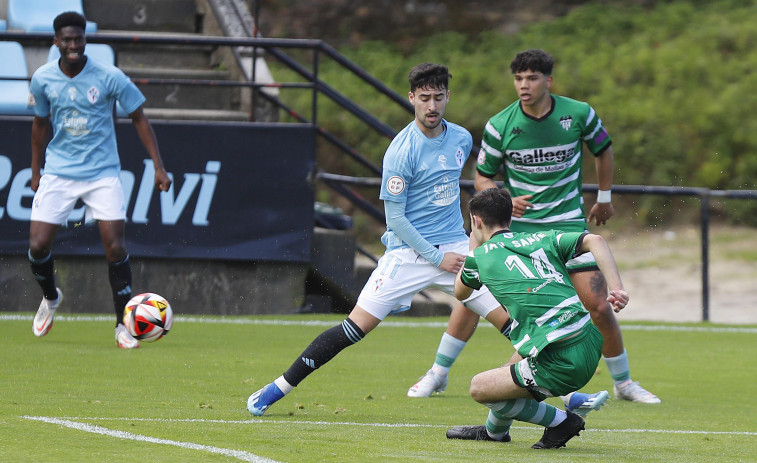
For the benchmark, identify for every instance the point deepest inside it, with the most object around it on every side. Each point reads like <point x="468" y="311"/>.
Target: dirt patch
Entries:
<point x="662" y="271"/>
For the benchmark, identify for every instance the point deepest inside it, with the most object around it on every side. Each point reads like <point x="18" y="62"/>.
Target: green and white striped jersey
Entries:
<point x="526" y="273"/>
<point x="542" y="157"/>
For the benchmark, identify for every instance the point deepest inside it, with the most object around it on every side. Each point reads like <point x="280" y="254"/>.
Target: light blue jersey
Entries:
<point x="81" y="111"/>
<point x="424" y="174"/>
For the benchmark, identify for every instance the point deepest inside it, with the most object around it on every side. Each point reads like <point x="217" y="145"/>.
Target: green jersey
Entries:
<point x="542" y="157"/>
<point x="526" y="273"/>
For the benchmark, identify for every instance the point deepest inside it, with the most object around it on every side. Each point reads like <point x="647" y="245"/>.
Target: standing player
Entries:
<point x="557" y="346"/>
<point x="81" y="162"/>
<point x="538" y="140"/>
<point x="425" y="239"/>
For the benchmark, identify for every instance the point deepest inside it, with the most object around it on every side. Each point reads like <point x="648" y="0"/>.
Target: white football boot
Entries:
<point x="124" y="339"/>
<point x="43" y="321"/>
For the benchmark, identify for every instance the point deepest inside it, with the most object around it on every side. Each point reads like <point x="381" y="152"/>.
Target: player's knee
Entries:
<point x="477" y="388"/>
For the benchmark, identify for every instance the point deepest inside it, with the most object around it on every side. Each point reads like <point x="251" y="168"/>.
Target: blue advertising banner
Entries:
<point x="240" y="192"/>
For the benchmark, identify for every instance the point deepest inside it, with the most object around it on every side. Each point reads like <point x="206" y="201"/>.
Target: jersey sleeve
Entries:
<point x="491" y="155"/>
<point x="395" y="174"/>
<point x="595" y="135"/>
<point x="127" y="94"/>
<point x="38" y="100"/>
<point x="567" y="244"/>
<point x="470" y="275"/>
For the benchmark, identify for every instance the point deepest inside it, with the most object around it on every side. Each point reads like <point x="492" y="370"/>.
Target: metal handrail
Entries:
<point x="704" y="195"/>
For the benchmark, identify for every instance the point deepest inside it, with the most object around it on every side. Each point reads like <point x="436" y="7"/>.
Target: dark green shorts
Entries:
<point x="561" y="367"/>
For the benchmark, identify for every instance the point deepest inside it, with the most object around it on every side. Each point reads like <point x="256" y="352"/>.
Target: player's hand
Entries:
<point x="600" y="213"/>
<point x="618" y="298"/>
<point x="452" y="262"/>
<point x="162" y="180"/>
<point x="520" y="204"/>
<point x="35" y="181"/>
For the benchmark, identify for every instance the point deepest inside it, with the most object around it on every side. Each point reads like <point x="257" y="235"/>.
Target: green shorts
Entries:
<point x="561" y="367"/>
<point x="583" y="263"/>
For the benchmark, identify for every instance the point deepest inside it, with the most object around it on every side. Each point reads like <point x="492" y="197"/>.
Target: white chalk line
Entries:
<point x="86" y="427"/>
<point x="384" y="425"/>
<point x="391" y="323"/>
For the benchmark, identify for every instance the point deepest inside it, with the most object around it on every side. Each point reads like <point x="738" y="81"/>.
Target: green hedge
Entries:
<point x="676" y="85"/>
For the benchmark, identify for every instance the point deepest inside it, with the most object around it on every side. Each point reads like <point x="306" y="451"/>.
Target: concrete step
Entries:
<point x="196" y="114"/>
<point x="145" y="15"/>
<point x="174" y="96"/>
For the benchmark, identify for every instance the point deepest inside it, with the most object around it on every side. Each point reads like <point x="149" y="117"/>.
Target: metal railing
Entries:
<point x="341" y="183"/>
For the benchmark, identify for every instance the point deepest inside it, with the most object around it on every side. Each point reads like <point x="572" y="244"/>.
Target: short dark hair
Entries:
<point x="494" y="206"/>
<point x="69" y="18"/>
<point x="533" y="60"/>
<point x="429" y="75"/>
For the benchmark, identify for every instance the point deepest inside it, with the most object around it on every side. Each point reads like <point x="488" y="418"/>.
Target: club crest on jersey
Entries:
<point x="460" y="157"/>
<point x="566" y="122"/>
<point x="93" y="94"/>
<point x="395" y="185"/>
<point x="378" y="284"/>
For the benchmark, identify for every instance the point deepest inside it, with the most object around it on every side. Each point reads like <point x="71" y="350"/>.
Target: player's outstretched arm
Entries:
<point x="147" y="136"/>
<point x="595" y="244"/>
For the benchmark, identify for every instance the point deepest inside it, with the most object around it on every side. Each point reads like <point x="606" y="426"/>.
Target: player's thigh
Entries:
<point x="562" y="367"/>
<point x="481" y="301"/>
<point x="399" y="275"/>
<point x="104" y="199"/>
<point x="495" y="385"/>
<point x="54" y="199"/>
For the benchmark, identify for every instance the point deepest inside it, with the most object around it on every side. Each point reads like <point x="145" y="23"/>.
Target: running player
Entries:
<point x="81" y="161"/>
<point x="425" y="239"/>
<point x="557" y="346"/>
<point x="538" y="141"/>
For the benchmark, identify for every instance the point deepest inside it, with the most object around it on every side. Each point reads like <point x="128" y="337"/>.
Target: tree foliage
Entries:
<point x="674" y="84"/>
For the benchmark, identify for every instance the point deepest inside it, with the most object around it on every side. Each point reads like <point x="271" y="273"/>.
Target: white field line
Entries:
<point x="391" y="323"/>
<point x="86" y="427"/>
<point x="383" y="425"/>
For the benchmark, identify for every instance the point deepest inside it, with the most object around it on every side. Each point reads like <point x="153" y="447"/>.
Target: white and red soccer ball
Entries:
<point x="148" y="317"/>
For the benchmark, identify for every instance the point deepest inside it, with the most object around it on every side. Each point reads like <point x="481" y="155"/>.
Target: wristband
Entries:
<point x="604" y="196"/>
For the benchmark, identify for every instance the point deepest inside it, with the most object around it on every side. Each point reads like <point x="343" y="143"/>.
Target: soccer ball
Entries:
<point x="148" y="317"/>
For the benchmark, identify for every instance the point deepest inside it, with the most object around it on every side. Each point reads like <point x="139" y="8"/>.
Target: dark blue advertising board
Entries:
<point x="240" y="192"/>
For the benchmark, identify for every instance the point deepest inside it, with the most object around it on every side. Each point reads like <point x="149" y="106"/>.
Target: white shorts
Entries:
<point x="56" y="198"/>
<point x="402" y="273"/>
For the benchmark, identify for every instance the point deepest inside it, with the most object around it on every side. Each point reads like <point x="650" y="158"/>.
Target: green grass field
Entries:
<point x="72" y="396"/>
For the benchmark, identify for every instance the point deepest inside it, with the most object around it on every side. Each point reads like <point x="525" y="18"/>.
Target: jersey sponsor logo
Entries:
<point x="442" y="160"/>
<point x="445" y="192"/>
<point x="551" y="154"/>
<point x="76" y="124"/>
<point x="93" y="95"/>
<point x="395" y="185"/>
<point x="563" y="318"/>
<point x="72" y="93"/>
<point x="566" y="122"/>
<point x="538" y="288"/>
